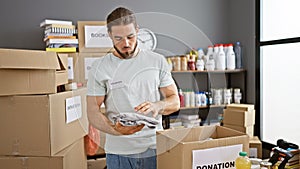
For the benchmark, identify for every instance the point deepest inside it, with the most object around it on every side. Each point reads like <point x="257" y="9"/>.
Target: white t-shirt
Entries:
<point x="127" y="83"/>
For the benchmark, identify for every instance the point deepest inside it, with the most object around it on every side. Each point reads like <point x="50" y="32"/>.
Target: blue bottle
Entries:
<point x="238" y="55"/>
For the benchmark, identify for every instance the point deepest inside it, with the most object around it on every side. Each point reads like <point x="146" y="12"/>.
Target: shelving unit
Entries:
<point x="205" y="81"/>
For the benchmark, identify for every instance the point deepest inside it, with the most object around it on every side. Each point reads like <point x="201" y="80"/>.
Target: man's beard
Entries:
<point x="126" y="55"/>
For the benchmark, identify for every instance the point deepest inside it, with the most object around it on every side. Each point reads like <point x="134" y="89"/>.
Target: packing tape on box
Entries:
<point x="71" y="86"/>
<point x="15" y="147"/>
<point x="25" y="163"/>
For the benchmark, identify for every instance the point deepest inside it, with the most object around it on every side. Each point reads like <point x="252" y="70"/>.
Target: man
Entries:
<point x="129" y="80"/>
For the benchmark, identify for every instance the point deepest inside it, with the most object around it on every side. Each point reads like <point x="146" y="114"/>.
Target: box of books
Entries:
<point x="93" y="37"/>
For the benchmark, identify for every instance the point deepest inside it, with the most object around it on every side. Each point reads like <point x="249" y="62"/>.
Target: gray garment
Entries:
<point x="134" y="119"/>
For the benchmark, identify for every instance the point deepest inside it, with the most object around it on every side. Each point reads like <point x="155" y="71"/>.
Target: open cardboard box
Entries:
<point x="175" y="146"/>
<point x="36" y="125"/>
<point x="31" y="71"/>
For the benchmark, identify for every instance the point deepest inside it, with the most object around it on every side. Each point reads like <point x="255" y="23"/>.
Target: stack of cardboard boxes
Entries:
<point x="40" y="127"/>
<point x="241" y="117"/>
<point x="79" y="64"/>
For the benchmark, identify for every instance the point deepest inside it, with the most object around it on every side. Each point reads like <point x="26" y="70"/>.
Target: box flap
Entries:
<point x="63" y="61"/>
<point x="28" y="59"/>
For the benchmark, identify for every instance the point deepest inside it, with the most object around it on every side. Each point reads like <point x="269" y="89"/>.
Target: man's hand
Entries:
<point x="127" y="130"/>
<point x="148" y="107"/>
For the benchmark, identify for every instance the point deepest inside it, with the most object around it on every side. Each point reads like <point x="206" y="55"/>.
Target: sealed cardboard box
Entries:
<point x="99" y="163"/>
<point x="93" y="37"/>
<point x="31" y="71"/>
<point x="255" y="147"/>
<point x="80" y="65"/>
<point x="72" y="157"/>
<point x="242" y="107"/>
<point x="175" y="147"/>
<point x="249" y="130"/>
<point x="239" y="117"/>
<point x="42" y="125"/>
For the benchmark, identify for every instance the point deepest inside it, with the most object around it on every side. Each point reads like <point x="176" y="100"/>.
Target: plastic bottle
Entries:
<point x="242" y="162"/>
<point x="230" y="58"/>
<point x="200" y="64"/>
<point x="238" y="55"/>
<point x="237" y="95"/>
<point x="201" y="55"/>
<point x="221" y="59"/>
<point x="181" y="97"/>
<point x="209" y="98"/>
<point x="203" y="99"/>
<point x="227" y="96"/>
<point x="198" y="99"/>
<point x="216" y="51"/>
<point x="192" y="98"/>
<point x="187" y="98"/>
<point x="210" y="64"/>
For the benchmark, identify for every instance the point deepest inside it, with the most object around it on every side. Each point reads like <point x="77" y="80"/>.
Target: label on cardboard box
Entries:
<point x="70" y="68"/>
<point x="73" y="109"/>
<point x="219" y="157"/>
<point x="97" y="37"/>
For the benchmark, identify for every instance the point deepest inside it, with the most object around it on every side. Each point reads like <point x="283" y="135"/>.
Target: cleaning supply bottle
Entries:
<point x="242" y="162"/>
<point x="210" y="64"/>
<point x="230" y="58"/>
<point x="221" y="59"/>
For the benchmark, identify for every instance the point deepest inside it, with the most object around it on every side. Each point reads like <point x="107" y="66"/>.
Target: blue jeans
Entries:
<point x="144" y="160"/>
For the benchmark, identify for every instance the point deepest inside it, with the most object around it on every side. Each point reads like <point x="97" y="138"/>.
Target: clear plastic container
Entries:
<point x="238" y="55"/>
<point x="243" y="162"/>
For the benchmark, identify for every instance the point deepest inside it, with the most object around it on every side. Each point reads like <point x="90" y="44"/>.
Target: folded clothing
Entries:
<point x="134" y="119"/>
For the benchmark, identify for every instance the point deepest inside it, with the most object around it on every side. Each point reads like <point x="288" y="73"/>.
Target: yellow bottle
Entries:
<point x="243" y="162"/>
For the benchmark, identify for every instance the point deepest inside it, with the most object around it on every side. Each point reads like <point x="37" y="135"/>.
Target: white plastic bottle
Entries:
<point x="237" y="95"/>
<point x="216" y="51"/>
<point x="192" y="98"/>
<point x="198" y="99"/>
<point x="203" y="99"/>
<point x="210" y="64"/>
<point x="201" y="55"/>
<point x="200" y="64"/>
<point x="187" y="98"/>
<point x="230" y="58"/>
<point x="221" y="59"/>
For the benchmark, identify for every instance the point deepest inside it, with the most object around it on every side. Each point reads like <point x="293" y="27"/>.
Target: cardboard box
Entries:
<point x="100" y="35"/>
<point x="35" y="125"/>
<point x="249" y="130"/>
<point x="73" y="157"/>
<point x="239" y="117"/>
<point x="31" y="71"/>
<point x="242" y="107"/>
<point x="73" y="67"/>
<point x="99" y="163"/>
<point x="175" y="146"/>
<point x="82" y="63"/>
<point x="255" y="147"/>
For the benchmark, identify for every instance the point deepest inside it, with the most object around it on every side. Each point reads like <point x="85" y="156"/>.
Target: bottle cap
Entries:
<point x="243" y="153"/>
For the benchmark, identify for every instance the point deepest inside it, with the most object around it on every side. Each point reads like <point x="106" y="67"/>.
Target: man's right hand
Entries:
<point x="127" y="130"/>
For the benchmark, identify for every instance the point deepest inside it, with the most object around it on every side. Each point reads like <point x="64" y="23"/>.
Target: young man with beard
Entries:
<point x="129" y="81"/>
